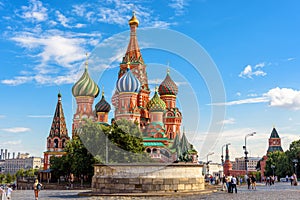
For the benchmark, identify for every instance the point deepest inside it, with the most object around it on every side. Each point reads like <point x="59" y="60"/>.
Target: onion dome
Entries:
<point x="102" y="105"/>
<point x="168" y="86"/>
<point x="85" y="86"/>
<point x="156" y="103"/>
<point x="128" y="82"/>
<point x="133" y="20"/>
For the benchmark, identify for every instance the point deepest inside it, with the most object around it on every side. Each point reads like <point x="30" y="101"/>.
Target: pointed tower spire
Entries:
<point x="133" y="53"/>
<point x="58" y="135"/>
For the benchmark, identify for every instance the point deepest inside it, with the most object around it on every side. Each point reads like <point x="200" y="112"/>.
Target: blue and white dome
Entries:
<point x="128" y="83"/>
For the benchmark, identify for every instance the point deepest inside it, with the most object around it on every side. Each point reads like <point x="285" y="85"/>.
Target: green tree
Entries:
<point x="119" y="143"/>
<point x="8" y="178"/>
<point x="279" y="160"/>
<point x="292" y="154"/>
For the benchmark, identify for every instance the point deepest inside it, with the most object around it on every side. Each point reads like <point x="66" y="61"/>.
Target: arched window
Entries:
<point x="63" y="143"/>
<point x="148" y="150"/>
<point x="154" y="151"/>
<point x="49" y="143"/>
<point x="56" y="143"/>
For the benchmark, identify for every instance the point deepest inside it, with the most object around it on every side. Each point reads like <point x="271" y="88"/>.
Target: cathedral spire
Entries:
<point x="133" y="53"/>
<point x="58" y="127"/>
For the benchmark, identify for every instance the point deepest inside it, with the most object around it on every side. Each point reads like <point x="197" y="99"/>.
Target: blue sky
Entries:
<point x="253" y="47"/>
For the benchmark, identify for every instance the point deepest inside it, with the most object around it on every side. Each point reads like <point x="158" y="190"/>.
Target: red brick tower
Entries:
<point x="133" y="57"/>
<point x="227" y="167"/>
<point x="85" y="90"/>
<point x="58" y="135"/>
<point x="173" y="117"/>
<point x="128" y="87"/>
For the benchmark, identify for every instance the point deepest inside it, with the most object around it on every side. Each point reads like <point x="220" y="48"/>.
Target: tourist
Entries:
<point x="229" y="187"/>
<point x="268" y="181"/>
<point x="292" y="180"/>
<point x="253" y="182"/>
<point x="295" y="183"/>
<point x="37" y="187"/>
<point x="9" y="191"/>
<point x="286" y="178"/>
<point x="2" y="193"/>
<point x="224" y="183"/>
<point x="248" y="182"/>
<point x="233" y="182"/>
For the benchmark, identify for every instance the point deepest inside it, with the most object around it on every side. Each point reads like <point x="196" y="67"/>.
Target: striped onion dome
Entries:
<point x="85" y="86"/>
<point x="102" y="105"/>
<point x="168" y="86"/>
<point x="156" y="103"/>
<point x="128" y="83"/>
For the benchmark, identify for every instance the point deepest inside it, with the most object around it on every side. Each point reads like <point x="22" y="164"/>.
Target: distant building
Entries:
<point x="240" y="163"/>
<point x="13" y="165"/>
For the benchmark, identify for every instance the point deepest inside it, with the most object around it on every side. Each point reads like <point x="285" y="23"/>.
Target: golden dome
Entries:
<point x="133" y="20"/>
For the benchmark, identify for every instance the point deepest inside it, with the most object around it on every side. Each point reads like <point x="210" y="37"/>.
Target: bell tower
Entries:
<point x="58" y="135"/>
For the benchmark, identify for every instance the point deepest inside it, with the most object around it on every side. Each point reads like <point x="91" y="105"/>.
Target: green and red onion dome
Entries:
<point x="156" y="103"/>
<point x="85" y="86"/>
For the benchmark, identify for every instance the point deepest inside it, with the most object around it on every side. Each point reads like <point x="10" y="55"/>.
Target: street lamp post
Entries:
<point x="222" y="156"/>
<point x="207" y="162"/>
<point x="273" y="166"/>
<point x="246" y="152"/>
<point x="295" y="161"/>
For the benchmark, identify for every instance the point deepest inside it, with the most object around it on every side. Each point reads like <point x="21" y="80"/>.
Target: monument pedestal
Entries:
<point x="144" y="178"/>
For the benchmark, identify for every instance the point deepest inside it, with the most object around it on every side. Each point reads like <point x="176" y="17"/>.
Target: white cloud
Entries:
<point x="284" y="97"/>
<point x="252" y="95"/>
<point x="277" y="97"/>
<point x="18" y="80"/>
<point x="238" y="94"/>
<point x="243" y="101"/>
<point x="62" y="19"/>
<point x="259" y="65"/>
<point x="55" y="52"/>
<point x="227" y="121"/>
<point x="2" y="116"/>
<point x="249" y="73"/>
<point x="118" y="12"/>
<point x="34" y="12"/>
<point x="9" y="143"/>
<point x="16" y="129"/>
<point x="179" y="6"/>
<point x="290" y="59"/>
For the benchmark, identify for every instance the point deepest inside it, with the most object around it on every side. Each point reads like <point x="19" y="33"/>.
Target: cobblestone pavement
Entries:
<point x="278" y="191"/>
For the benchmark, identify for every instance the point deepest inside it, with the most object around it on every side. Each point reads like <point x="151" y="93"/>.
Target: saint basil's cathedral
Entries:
<point x="158" y="117"/>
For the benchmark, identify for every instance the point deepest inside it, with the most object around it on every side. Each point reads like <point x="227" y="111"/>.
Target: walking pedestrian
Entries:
<point x="3" y="194"/>
<point x="233" y="181"/>
<point x="224" y="183"/>
<point x="248" y="182"/>
<point x="9" y="191"/>
<point x="292" y="180"/>
<point x="253" y="182"/>
<point x="37" y="187"/>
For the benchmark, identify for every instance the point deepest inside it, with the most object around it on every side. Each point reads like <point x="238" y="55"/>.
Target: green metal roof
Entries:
<point x="150" y="138"/>
<point x="153" y="144"/>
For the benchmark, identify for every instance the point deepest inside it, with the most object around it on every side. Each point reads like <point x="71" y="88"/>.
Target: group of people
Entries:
<point x="251" y="182"/>
<point x="229" y="183"/>
<point x="5" y="193"/>
<point x="270" y="180"/>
